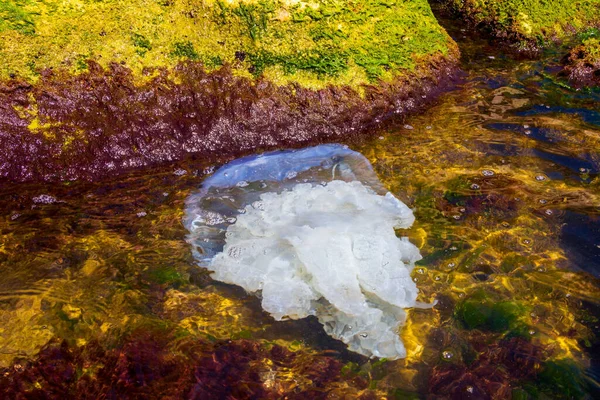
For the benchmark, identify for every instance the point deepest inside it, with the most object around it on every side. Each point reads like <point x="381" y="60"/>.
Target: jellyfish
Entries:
<point x="312" y="232"/>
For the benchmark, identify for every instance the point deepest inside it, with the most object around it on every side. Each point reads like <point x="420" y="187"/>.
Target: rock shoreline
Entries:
<point x="99" y="123"/>
<point x="93" y="90"/>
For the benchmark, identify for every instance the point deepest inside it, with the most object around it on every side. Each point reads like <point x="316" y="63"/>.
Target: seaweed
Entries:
<point x="480" y="312"/>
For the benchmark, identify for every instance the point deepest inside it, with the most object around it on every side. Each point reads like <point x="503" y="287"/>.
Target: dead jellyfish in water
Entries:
<point x="322" y="242"/>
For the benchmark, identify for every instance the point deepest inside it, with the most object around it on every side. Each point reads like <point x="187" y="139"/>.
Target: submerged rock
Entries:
<point x="311" y="232"/>
<point x="142" y="84"/>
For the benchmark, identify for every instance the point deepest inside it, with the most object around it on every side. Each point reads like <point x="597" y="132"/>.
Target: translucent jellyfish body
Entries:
<point x="313" y="232"/>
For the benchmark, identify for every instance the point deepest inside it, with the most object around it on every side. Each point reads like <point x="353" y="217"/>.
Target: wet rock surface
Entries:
<point x="100" y="123"/>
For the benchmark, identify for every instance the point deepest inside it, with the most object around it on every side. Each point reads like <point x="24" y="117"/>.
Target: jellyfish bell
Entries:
<point x="313" y="232"/>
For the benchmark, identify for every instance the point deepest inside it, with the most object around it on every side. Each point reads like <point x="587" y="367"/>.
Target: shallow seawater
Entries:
<point x="100" y="293"/>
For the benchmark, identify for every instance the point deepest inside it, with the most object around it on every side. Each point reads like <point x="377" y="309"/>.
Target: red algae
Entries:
<point x="100" y="123"/>
<point x="492" y="375"/>
<point x="145" y="366"/>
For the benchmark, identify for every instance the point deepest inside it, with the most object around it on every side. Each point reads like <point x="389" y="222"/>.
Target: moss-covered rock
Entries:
<point x="582" y="64"/>
<point x="314" y="43"/>
<point x="529" y="25"/>
<point x="93" y="87"/>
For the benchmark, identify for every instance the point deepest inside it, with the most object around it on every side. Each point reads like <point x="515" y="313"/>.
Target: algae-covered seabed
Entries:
<point x="100" y="298"/>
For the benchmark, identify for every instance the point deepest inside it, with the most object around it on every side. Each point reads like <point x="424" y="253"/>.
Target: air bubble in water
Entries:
<point x="291" y="175"/>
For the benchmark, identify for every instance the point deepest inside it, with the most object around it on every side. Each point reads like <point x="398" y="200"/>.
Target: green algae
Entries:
<point x="559" y="379"/>
<point x="17" y="16"/>
<point x="141" y="43"/>
<point x="314" y="44"/>
<point x="481" y="312"/>
<point x="167" y="275"/>
<point x="591" y="51"/>
<point x="184" y="50"/>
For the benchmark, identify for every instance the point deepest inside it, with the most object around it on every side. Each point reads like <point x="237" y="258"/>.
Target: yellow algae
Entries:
<point x="105" y="327"/>
<point x="526" y="26"/>
<point x="24" y="331"/>
<point x="314" y="43"/>
<point x="208" y="313"/>
<point x="415" y="334"/>
<point x="72" y="312"/>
